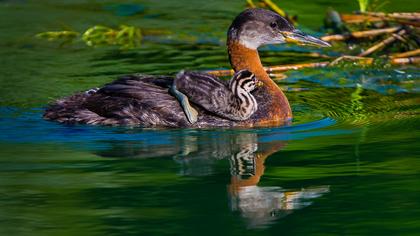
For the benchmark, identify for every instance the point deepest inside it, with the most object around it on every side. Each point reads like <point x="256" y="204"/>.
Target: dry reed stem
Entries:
<point x="382" y="43"/>
<point x="412" y="19"/>
<point x="405" y="61"/>
<point x="359" y="34"/>
<point x="415" y="16"/>
<point x="406" y="54"/>
<point x="367" y="60"/>
<point x="354" y="19"/>
<point x="273" y="71"/>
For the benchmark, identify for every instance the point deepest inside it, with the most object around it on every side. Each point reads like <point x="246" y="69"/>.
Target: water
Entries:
<point x="348" y="165"/>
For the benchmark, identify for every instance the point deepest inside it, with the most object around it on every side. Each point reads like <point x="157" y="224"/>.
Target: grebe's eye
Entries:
<point x="273" y="25"/>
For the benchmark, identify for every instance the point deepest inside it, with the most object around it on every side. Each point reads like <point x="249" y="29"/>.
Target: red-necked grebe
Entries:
<point x="158" y="101"/>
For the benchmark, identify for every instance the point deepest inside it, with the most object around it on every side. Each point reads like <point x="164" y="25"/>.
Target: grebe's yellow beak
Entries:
<point x="298" y="37"/>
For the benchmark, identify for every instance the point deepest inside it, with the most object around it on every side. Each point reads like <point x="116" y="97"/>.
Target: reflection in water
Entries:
<point x="197" y="154"/>
<point x="261" y="206"/>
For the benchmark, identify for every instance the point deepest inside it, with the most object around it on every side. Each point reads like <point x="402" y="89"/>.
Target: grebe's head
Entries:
<point x="256" y="27"/>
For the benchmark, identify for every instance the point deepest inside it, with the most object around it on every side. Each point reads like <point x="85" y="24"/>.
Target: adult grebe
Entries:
<point x="147" y="101"/>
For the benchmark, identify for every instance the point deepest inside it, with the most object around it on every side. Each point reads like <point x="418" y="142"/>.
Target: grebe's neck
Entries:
<point x="241" y="58"/>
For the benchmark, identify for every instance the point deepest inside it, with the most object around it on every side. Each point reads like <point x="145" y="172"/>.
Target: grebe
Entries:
<point x="152" y="101"/>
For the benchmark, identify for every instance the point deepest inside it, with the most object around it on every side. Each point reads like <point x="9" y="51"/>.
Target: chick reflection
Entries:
<point x="197" y="153"/>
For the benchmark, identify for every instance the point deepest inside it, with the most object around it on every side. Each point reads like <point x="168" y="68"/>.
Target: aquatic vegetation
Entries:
<point x="64" y="37"/>
<point x="370" y="33"/>
<point x="371" y="5"/>
<point x="363" y="5"/>
<point x="125" y="36"/>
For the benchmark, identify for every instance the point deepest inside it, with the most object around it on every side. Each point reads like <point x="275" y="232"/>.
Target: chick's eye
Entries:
<point x="273" y="25"/>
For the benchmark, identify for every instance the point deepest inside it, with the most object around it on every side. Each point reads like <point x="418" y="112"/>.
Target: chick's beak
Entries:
<point x="298" y="37"/>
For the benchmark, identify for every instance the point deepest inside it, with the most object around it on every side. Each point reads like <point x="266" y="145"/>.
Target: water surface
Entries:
<point x="347" y="165"/>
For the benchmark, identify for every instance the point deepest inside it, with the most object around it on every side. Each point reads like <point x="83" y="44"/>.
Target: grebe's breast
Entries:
<point x="273" y="108"/>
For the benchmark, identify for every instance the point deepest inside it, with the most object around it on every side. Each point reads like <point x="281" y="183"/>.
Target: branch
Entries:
<point x="383" y="43"/>
<point x="271" y="70"/>
<point x="406" y="54"/>
<point x="359" y="34"/>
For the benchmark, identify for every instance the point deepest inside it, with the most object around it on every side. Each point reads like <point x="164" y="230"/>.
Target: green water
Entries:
<point x="348" y="165"/>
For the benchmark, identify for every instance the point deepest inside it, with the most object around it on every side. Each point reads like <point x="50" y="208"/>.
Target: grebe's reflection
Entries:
<point x="197" y="153"/>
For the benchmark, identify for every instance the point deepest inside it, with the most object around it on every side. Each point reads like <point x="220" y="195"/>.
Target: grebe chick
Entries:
<point x="146" y="101"/>
<point x="232" y="101"/>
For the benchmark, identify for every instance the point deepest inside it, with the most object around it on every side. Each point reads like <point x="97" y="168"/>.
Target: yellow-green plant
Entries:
<point x="371" y="5"/>
<point x="63" y="36"/>
<point x="266" y="3"/>
<point x="363" y="5"/>
<point x="272" y="6"/>
<point x="125" y="36"/>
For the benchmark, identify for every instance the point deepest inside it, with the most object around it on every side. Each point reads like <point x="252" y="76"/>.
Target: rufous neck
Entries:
<point x="242" y="57"/>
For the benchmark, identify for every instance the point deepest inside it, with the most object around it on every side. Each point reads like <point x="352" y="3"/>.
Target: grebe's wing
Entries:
<point x="138" y="99"/>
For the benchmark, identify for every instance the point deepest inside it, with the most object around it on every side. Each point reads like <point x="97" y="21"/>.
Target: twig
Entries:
<point x="405" y="61"/>
<point x="412" y="19"/>
<point x="284" y="68"/>
<point x="277" y="76"/>
<point x="367" y="60"/>
<point x="370" y="61"/>
<point x="406" y="54"/>
<point x="410" y="23"/>
<point x="275" y="8"/>
<point x="220" y="72"/>
<point x="396" y="15"/>
<point x="251" y="4"/>
<point x="280" y="68"/>
<point x="271" y="69"/>
<point x="382" y="44"/>
<point x="359" y="34"/>
<point x="354" y="19"/>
